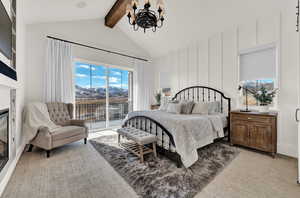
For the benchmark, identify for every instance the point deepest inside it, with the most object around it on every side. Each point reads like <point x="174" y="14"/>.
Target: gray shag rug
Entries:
<point x="160" y="178"/>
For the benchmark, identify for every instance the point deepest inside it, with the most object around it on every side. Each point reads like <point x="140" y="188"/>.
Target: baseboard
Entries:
<point x="287" y="150"/>
<point x="286" y="156"/>
<point x="11" y="169"/>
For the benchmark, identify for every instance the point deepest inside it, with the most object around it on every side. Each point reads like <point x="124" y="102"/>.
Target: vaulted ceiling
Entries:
<point x="186" y="20"/>
<point x="41" y="11"/>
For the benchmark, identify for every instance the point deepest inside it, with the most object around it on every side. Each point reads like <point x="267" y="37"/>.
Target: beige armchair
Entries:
<point x="71" y="130"/>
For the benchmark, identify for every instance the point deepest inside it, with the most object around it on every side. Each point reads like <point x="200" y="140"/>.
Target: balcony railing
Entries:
<point x="94" y="111"/>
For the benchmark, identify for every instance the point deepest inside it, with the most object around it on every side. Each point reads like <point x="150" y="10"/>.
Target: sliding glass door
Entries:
<point x="118" y="96"/>
<point x="103" y="95"/>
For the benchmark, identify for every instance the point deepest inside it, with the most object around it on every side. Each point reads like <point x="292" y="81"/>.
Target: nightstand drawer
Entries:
<point x="261" y="119"/>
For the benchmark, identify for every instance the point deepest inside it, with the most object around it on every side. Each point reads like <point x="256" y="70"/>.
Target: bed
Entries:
<point x="179" y="135"/>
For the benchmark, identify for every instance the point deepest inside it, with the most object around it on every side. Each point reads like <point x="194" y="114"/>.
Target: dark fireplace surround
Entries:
<point x="4" y="137"/>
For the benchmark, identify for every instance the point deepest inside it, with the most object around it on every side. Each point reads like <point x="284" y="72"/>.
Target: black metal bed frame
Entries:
<point x="194" y="93"/>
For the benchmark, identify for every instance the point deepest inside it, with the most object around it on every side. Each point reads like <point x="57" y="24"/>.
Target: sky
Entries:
<point x="87" y="76"/>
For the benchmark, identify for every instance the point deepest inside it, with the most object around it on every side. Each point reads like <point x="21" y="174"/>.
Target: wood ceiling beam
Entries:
<point x="116" y="13"/>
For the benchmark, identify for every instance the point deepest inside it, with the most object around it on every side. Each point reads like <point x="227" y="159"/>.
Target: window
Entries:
<point x="258" y="68"/>
<point x="103" y="94"/>
<point x="254" y="85"/>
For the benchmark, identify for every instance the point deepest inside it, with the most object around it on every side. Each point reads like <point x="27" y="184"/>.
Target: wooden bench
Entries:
<point x="139" y="141"/>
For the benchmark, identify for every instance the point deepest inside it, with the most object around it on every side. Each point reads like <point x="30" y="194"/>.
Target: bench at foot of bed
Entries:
<point x="140" y="141"/>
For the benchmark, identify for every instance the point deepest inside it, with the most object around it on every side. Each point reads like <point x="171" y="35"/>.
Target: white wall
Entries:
<point x="213" y="61"/>
<point x="190" y="20"/>
<point x="6" y="84"/>
<point x="90" y="32"/>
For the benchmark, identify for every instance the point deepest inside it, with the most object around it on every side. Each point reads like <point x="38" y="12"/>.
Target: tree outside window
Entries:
<point x="254" y="85"/>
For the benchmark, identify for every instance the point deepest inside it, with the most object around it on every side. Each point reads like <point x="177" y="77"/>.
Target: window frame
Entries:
<point x="258" y="48"/>
<point x="107" y="66"/>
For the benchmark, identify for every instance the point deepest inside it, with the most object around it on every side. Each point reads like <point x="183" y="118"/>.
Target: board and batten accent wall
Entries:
<point x="214" y="62"/>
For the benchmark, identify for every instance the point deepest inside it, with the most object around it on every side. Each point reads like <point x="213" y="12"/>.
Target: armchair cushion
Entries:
<point x="81" y="123"/>
<point x="66" y="132"/>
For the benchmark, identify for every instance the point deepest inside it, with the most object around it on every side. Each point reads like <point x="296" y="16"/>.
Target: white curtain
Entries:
<point x="143" y="85"/>
<point x="58" y="78"/>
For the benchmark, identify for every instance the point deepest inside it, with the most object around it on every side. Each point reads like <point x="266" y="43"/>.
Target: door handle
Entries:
<point x="296" y="114"/>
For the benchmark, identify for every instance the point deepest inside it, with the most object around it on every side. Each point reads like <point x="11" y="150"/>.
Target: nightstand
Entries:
<point x="154" y="107"/>
<point x="254" y="130"/>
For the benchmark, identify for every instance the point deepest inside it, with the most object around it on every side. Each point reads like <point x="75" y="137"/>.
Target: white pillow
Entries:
<point x="187" y="106"/>
<point x="200" y="108"/>
<point x="213" y="107"/>
<point x="174" y="108"/>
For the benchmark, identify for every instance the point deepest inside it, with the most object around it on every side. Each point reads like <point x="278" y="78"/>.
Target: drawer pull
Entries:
<point x="249" y="118"/>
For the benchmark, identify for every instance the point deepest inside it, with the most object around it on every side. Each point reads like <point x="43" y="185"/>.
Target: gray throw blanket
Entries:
<point x="36" y="116"/>
<point x="190" y="132"/>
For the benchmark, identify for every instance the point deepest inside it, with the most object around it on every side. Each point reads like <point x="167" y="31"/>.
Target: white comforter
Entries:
<point x="190" y="132"/>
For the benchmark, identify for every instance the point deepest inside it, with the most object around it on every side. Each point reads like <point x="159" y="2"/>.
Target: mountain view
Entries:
<point x="254" y="85"/>
<point x="90" y="92"/>
<point x="99" y="93"/>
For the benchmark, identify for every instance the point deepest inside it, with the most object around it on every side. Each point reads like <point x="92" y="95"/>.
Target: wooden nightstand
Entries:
<point x="254" y="130"/>
<point x="154" y="107"/>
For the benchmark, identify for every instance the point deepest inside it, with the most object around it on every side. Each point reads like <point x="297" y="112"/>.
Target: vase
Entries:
<point x="263" y="108"/>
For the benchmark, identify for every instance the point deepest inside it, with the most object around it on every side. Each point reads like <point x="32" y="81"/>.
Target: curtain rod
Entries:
<point x="96" y="48"/>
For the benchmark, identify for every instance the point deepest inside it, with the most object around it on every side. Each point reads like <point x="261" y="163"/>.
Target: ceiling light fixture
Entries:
<point x="145" y="18"/>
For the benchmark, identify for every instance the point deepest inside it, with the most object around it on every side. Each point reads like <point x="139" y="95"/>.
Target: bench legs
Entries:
<point x="138" y="149"/>
<point x="30" y="148"/>
<point x="119" y="139"/>
<point x="154" y="149"/>
<point x="48" y="153"/>
<point x="141" y="153"/>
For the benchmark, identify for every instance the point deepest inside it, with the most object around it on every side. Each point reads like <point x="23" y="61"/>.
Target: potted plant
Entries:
<point x="264" y="97"/>
<point x="158" y="98"/>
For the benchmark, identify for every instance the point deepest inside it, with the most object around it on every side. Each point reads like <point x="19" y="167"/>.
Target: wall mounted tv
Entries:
<point x="5" y="33"/>
<point x="6" y="39"/>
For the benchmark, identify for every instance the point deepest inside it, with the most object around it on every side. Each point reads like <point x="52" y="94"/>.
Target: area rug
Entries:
<point x="159" y="177"/>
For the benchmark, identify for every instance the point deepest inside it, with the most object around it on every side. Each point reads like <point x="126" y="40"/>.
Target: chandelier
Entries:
<point x="145" y="18"/>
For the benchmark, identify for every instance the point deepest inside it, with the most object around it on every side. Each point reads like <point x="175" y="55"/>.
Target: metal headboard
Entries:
<point x="195" y="93"/>
<point x="204" y="94"/>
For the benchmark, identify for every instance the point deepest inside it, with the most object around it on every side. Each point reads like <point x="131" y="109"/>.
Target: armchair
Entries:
<point x="71" y="130"/>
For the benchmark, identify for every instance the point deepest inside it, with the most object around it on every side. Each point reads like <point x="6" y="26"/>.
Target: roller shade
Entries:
<point x="258" y="65"/>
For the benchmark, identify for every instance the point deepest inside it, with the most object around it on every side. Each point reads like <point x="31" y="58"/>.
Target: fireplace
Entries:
<point x="4" y="139"/>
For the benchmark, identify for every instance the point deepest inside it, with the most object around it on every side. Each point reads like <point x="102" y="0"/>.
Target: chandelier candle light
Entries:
<point x="145" y="18"/>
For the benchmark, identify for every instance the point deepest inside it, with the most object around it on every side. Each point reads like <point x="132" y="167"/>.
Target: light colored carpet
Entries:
<point x="78" y="171"/>
<point x="72" y="171"/>
<point x="255" y="175"/>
